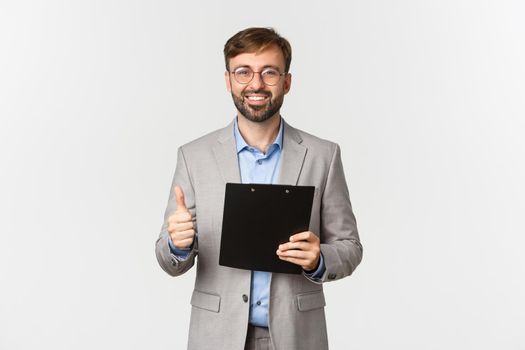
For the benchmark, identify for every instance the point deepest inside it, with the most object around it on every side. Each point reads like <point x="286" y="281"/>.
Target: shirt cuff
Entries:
<point x="317" y="274"/>
<point x="180" y="253"/>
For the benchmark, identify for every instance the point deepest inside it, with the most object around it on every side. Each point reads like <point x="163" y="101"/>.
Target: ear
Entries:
<point x="228" y="81"/>
<point x="287" y="83"/>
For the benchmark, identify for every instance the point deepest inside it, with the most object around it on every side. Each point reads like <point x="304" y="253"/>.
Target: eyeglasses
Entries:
<point x="269" y="76"/>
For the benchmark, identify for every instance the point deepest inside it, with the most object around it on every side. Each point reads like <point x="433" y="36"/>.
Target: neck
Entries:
<point x="259" y="135"/>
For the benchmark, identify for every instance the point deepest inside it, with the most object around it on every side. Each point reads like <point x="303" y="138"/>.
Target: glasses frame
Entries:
<point x="253" y="75"/>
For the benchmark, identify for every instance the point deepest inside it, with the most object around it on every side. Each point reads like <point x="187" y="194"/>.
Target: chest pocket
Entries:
<point x="206" y="301"/>
<point x="310" y="301"/>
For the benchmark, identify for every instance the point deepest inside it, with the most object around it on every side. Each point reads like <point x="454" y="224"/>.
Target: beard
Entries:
<point x="258" y="114"/>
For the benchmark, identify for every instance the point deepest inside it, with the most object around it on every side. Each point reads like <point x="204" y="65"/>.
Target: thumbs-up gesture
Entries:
<point x="180" y="224"/>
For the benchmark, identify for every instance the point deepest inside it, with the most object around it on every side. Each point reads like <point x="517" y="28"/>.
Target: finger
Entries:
<point x="302" y="245"/>
<point x="301" y="262"/>
<point x="183" y="226"/>
<point x="179" y="217"/>
<point x="303" y="236"/>
<point x="179" y="198"/>
<point x="185" y="243"/>
<point x="184" y="234"/>
<point x="179" y="235"/>
<point x="299" y="254"/>
<point x="179" y="227"/>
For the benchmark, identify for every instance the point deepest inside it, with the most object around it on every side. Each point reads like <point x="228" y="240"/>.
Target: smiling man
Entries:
<point x="239" y="309"/>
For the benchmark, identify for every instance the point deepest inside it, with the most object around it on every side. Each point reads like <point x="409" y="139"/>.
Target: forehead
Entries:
<point x="270" y="56"/>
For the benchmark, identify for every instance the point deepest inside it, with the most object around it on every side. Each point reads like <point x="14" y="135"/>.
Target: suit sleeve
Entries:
<point x="171" y="263"/>
<point x="340" y="244"/>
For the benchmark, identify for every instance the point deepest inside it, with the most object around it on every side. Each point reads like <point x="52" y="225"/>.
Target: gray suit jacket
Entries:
<point x="219" y="315"/>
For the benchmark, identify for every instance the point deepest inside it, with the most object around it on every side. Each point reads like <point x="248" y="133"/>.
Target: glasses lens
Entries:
<point x="270" y="76"/>
<point x="243" y="75"/>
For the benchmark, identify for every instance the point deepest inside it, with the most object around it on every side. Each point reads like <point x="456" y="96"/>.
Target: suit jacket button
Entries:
<point x="245" y="298"/>
<point x="332" y="276"/>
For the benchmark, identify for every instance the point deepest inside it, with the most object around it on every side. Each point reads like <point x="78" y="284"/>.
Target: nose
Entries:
<point x="257" y="81"/>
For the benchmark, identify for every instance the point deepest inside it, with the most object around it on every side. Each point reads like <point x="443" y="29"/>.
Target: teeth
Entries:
<point x="256" y="98"/>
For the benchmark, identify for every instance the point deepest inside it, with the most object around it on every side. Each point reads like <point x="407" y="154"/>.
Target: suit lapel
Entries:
<point x="292" y="157"/>
<point x="225" y="152"/>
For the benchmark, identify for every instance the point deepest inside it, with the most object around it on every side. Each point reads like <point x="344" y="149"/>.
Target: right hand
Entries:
<point x="180" y="224"/>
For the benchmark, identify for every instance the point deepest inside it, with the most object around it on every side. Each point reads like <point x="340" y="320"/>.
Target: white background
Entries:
<point x="426" y="99"/>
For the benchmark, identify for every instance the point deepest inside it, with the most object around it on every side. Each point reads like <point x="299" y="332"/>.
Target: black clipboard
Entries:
<point x="257" y="218"/>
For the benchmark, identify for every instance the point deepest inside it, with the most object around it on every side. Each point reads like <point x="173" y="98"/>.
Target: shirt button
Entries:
<point x="259" y="161"/>
<point x="259" y="303"/>
<point x="245" y="298"/>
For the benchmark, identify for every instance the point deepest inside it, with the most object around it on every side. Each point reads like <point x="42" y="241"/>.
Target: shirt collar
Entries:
<point x="241" y="143"/>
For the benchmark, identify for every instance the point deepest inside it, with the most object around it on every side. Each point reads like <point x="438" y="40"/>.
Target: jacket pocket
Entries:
<point x="206" y="301"/>
<point x="310" y="301"/>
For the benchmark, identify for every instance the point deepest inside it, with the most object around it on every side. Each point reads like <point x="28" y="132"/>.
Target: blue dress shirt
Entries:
<point x="257" y="167"/>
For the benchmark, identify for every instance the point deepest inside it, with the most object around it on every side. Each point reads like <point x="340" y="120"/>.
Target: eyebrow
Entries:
<point x="264" y="67"/>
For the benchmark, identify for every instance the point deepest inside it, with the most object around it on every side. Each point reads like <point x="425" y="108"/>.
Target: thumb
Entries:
<point x="179" y="197"/>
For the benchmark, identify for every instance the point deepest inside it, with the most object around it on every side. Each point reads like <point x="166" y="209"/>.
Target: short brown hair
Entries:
<point x="254" y="40"/>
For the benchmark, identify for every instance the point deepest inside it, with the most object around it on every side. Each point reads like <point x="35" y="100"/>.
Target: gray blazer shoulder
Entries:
<point x="208" y="140"/>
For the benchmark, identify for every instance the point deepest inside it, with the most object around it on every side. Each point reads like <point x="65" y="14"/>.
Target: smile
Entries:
<point x="257" y="99"/>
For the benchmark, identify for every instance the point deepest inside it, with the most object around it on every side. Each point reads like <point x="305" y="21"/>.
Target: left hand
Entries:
<point x="304" y="249"/>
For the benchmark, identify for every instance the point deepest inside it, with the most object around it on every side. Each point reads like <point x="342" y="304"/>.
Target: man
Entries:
<point x="240" y="309"/>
